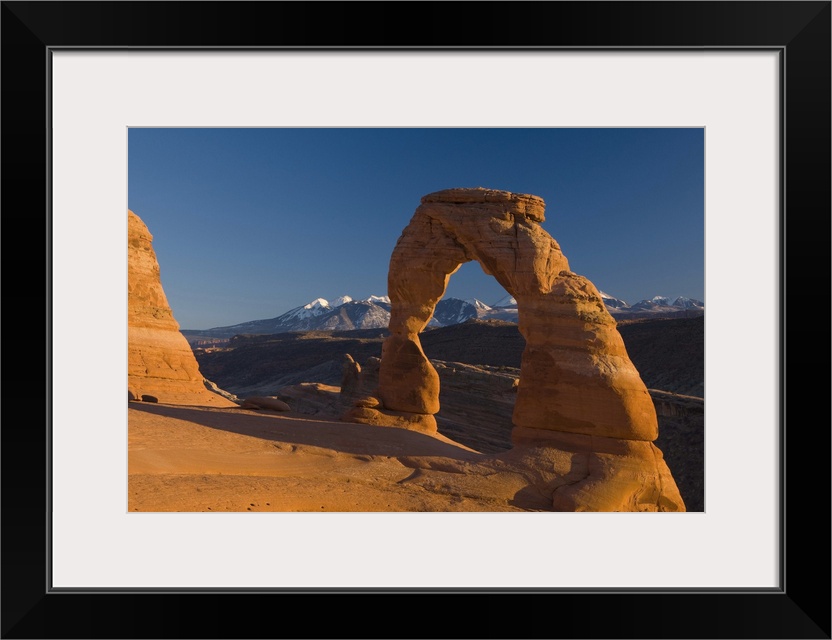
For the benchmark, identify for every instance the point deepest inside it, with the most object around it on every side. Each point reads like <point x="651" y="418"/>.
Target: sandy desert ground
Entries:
<point x="194" y="458"/>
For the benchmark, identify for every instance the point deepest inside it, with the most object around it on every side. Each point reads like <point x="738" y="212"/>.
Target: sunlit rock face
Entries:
<point x="160" y="361"/>
<point x="576" y="377"/>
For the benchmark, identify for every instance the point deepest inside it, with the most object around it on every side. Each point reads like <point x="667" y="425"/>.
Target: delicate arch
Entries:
<point x="575" y="377"/>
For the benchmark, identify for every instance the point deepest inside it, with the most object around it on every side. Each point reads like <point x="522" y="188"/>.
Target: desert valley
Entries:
<point x="558" y="398"/>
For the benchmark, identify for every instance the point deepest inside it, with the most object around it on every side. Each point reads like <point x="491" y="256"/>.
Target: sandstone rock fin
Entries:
<point x="160" y="361"/>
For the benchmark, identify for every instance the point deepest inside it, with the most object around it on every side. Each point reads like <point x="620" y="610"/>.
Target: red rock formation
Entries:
<point x="576" y="377"/>
<point x="160" y="362"/>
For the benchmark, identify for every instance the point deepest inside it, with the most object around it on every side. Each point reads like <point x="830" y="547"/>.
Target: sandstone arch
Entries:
<point x="576" y="376"/>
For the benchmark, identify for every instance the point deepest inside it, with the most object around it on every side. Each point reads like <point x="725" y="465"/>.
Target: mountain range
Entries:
<point x="345" y="314"/>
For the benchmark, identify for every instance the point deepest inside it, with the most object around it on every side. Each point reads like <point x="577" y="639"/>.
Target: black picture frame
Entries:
<point x="799" y="608"/>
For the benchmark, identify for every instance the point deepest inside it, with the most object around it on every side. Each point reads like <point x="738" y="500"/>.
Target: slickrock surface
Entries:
<point x="477" y="402"/>
<point x="211" y="459"/>
<point x="160" y="361"/>
<point x="580" y="398"/>
<point x="222" y="459"/>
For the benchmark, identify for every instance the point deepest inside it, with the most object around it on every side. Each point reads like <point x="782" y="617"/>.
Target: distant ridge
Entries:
<point x="346" y="314"/>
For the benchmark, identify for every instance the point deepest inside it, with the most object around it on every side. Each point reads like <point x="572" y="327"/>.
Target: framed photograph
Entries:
<point x="754" y="76"/>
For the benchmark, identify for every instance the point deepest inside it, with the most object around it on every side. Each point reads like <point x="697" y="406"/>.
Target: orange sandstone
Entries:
<point x="160" y="361"/>
<point x="579" y="393"/>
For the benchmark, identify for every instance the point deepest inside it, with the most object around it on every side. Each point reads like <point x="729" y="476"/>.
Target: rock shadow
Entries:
<point x="345" y="437"/>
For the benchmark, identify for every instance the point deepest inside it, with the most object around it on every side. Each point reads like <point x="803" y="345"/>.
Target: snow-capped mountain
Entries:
<point x="345" y="314"/>
<point x="310" y="310"/>
<point x="297" y="319"/>
<point x="506" y="302"/>
<point x="479" y="304"/>
<point x="453" y="311"/>
<point x="355" y="314"/>
<point x="611" y="302"/>
<point x="657" y="305"/>
<point x="656" y="302"/>
<point x="688" y="303"/>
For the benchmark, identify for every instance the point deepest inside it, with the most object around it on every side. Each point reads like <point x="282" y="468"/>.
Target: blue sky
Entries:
<point x="249" y="223"/>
